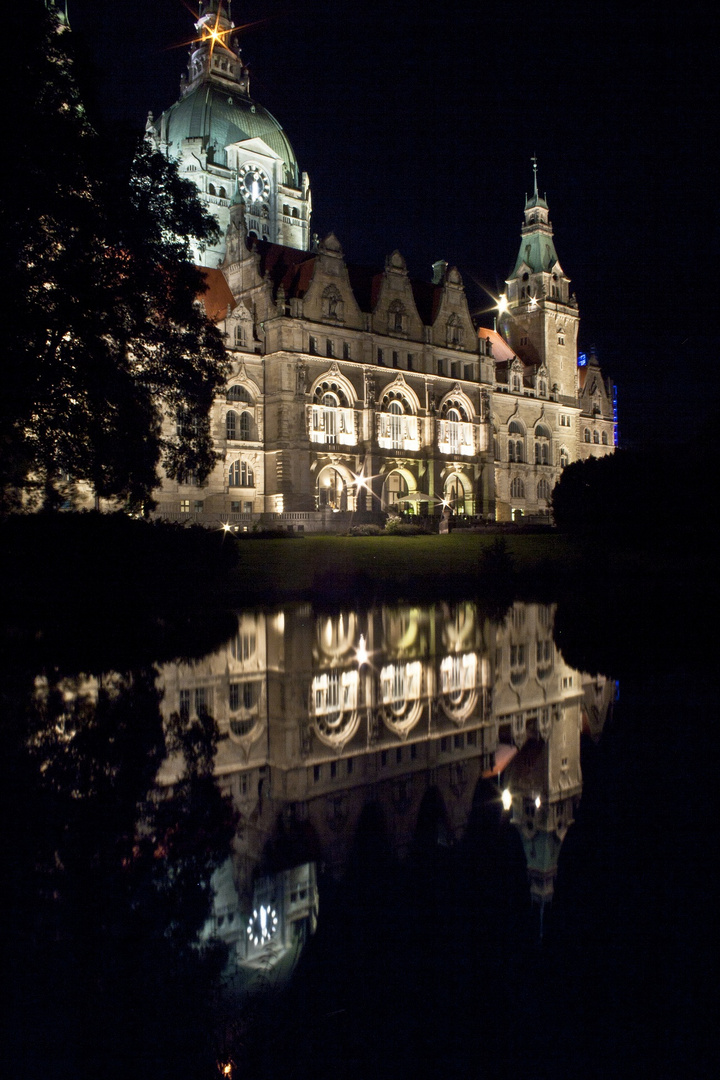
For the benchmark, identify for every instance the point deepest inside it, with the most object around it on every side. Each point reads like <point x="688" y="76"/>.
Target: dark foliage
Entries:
<point x="106" y="337"/>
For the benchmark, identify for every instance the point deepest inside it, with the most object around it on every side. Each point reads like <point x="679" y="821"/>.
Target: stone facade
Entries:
<point x="355" y="392"/>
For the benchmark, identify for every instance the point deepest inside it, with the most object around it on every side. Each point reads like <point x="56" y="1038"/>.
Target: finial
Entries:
<point x="534" y="165"/>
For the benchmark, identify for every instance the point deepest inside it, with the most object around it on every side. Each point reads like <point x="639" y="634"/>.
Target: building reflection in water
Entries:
<point x="320" y="714"/>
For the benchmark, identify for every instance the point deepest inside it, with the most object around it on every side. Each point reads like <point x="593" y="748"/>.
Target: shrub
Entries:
<point x="366" y="530"/>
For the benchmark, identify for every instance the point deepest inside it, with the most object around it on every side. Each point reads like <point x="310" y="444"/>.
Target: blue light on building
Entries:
<point x="582" y="359"/>
<point x="615" y="411"/>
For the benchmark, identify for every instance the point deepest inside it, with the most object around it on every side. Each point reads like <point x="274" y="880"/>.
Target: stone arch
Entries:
<point x="334" y="382"/>
<point x="399" y="389"/>
<point x="394" y="498"/>
<point x="458" y="399"/>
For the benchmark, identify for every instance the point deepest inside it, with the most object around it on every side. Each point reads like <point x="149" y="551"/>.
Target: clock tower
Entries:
<point x="229" y="145"/>
<point x="541" y="320"/>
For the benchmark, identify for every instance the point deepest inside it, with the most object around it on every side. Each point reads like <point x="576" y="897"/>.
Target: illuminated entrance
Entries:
<point x="455" y="494"/>
<point x="331" y="490"/>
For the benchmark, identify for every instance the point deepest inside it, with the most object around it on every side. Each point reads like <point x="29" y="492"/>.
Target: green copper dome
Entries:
<point x="220" y="116"/>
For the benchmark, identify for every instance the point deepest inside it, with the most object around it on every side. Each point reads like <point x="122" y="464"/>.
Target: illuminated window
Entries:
<point x="184" y="506"/>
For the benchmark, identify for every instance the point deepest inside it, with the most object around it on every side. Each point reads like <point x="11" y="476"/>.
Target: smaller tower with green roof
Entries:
<point x="541" y="322"/>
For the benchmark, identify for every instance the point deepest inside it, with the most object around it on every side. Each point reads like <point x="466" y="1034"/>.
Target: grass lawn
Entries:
<point x="318" y="564"/>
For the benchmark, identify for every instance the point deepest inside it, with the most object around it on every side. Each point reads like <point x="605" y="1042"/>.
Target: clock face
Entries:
<point x="263" y="925"/>
<point x="254" y="183"/>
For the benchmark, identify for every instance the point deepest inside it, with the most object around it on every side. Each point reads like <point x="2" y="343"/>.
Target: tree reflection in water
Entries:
<point x="106" y="879"/>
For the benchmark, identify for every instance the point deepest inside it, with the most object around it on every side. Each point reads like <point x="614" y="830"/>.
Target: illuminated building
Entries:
<point x="356" y="391"/>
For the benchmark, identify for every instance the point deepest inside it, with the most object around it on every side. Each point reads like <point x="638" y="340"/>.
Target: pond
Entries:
<point x="400" y="840"/>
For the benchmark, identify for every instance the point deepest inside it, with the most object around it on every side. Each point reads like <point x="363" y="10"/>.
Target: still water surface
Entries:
<point x="414" y="880"/>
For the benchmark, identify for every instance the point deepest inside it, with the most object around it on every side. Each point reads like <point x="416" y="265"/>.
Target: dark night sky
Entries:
<point x="416" y="124"/>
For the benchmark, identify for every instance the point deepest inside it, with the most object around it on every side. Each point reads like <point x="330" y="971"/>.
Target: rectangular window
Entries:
<point x="346" y="350"/>
<point x="313" y="346"/>
<point x="443" y="745"/>
<point x="184" y="506"/>
<point x="329" y="348"/>
<point x="380" y="356"/>
<point x="396" y="359"/>
<point x="201" y="704"/>
<point x="198" y="506"/>
<point x="413" y="751"/>
<point x="472" y="738"/>
<point x="333" y="769"/>
<point x="316" y="773"/>
<point x="383" y="759"/>
<point x="440" y="370"/>
<point x="349" y="766"/>
<point x="411" y="361"/>
<point x="398" y="755"/>
<point x="184" y="704"/>
<point x="234" y="507"/>
<point x="247" y="507"/>
<point x="458" y="742"/>
<point x="468" y="372"/>
<point x="234" y="696"/>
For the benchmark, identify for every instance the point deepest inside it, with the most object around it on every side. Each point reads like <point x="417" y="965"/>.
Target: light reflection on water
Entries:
<point x="403" y="706"/>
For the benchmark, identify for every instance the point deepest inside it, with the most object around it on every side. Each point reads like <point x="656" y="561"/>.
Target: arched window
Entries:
<point x="396" y="425"/>
<point x="516" y="383"/>
<point x="516" y="441"/>
<point x="605" y="438"/>
<point x="239" y="393"/>
<point x="240" y="336"/>
<point x="240" y="474"/>
<point x="596" y="437"/>
<point x="517" y="488"/>
<point x="231" y="425"/>
<point x="211" y="189"/>
<point x="542" y="445"/>
<point x="587" y="436"/>
<point x="245" y="426"/>
<point x="542" y="387"/>
<point x="544" y="490"/>
<point x="564" y="457"/>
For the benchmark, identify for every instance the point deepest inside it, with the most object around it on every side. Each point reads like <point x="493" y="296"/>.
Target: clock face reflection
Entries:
<point x="262" y="925"/>
<point x="255" y="184"/>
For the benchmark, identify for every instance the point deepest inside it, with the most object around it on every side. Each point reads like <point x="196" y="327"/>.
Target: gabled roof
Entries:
<point x="500" y="349"/>
<point x="218" y="296"/>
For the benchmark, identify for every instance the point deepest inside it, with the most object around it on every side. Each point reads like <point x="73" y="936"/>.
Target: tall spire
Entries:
<point x="214" y="55"/>
<point x="534" y="165"/>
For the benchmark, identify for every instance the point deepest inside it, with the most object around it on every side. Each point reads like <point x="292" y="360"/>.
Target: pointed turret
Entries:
<point x="541" y="322"/>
